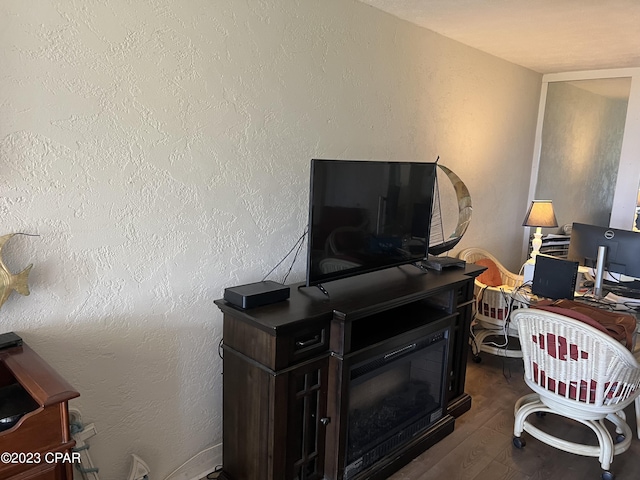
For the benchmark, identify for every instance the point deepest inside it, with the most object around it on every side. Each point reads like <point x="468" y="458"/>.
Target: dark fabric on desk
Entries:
<point x="618" y="325"/>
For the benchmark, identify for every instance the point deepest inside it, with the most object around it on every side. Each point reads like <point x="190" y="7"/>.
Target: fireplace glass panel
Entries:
<point x="393" y="397"/>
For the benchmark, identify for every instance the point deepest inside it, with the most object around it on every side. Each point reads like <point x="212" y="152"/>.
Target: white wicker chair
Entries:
<point x="492" y="327"/>
<point x="602" y="377"/>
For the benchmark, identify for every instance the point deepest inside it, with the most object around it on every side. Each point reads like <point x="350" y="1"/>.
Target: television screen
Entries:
<point x="366" y="216"/>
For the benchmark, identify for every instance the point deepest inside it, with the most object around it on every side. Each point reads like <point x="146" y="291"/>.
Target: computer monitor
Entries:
<point x="605" y="249"/>
<point x="554" y="278"/>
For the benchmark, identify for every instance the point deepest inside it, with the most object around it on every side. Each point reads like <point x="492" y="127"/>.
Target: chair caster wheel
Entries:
<point x="477" y="359"/>
<point x="519" y="442"/>
<point x="607" y="476"/>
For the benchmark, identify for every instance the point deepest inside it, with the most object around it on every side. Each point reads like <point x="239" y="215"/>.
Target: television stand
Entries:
<point x="291" y="372"/>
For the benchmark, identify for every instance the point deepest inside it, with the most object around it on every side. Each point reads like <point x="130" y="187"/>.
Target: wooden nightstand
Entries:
<point x="39" y="445"/>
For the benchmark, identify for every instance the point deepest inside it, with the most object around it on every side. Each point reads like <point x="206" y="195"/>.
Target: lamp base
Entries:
<point x="536" y="243"/>
<point x="529" y="269"/>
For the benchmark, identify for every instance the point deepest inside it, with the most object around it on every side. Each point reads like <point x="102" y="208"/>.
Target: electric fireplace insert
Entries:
<point x="395" y="395"/>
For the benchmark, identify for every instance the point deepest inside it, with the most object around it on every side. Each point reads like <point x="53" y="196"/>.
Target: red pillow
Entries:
<point x="491" y="276"/>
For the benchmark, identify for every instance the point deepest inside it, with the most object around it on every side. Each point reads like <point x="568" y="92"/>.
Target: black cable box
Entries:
<point x="440" y="263"/>
<point x="256" y="294"/>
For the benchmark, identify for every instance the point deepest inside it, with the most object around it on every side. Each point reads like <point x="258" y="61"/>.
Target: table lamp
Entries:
<point x="540" y="214"/>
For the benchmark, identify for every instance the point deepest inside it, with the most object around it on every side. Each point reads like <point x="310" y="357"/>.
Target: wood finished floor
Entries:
<point x="480" y="448"/>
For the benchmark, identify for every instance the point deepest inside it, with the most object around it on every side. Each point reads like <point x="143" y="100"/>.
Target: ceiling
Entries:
<point x="547" y="36"/>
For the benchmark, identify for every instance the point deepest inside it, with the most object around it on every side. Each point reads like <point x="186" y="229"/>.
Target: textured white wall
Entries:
<point x="161" y="151"/>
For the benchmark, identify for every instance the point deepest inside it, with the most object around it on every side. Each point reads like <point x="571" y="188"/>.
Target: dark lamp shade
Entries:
<point x="540" y="214"/>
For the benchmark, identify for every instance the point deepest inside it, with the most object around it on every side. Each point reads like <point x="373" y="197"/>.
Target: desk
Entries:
<point x="614" y="306"/>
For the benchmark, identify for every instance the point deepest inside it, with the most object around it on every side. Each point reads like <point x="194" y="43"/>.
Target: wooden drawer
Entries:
<point x="42" y="427"/>
<point x="275" y="352"/>
<point x="46" y="471"/>
<point x="308" y="343"/>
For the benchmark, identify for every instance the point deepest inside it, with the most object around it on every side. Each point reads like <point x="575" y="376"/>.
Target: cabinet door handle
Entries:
<point x="325" y="421"/>
<point x="400" y="351"/>
<point x="306" y="343"/>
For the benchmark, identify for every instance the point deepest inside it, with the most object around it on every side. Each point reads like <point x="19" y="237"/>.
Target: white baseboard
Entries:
<point x="200" y="465"/>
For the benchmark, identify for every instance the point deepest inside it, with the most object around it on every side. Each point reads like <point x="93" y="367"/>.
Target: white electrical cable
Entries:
<point x="196" y="455"/>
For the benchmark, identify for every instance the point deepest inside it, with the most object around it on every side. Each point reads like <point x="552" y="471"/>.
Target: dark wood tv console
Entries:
<point x="286" y="369"/>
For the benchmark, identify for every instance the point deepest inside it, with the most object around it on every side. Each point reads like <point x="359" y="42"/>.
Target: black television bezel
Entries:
<point x="593" y="236"/>
<point x="355" y="272"/>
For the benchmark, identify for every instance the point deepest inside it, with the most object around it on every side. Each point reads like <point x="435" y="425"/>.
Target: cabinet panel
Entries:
<point x="307" y="421"/>
<point x="247" y="435"/>
<point x="273" y="421"/>
<point x="459" y="401"/>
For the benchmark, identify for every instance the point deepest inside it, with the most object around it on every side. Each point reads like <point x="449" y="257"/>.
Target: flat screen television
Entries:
<point x="366" y="216"/>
